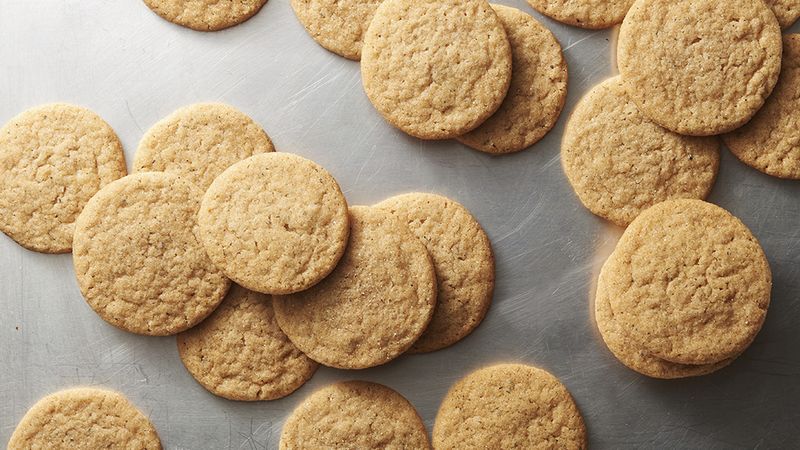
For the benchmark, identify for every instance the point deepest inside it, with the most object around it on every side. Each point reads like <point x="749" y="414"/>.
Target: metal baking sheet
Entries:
<point x="133" y="68"/>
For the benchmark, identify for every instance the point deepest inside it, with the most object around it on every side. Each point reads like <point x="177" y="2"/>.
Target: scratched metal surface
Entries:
<point x="134" y="68"/>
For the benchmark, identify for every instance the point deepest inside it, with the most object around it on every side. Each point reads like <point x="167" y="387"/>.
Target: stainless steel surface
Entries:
<point x="133" y="68"/>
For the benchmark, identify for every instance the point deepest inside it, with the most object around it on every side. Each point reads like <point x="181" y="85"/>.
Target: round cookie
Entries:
<point x="200" y="141"/>
<point x="337" y="25"/>
<point x="275" y="223"/>
<point x="591" y="14"/>
<point x="53" y="158"/>
<point x="206" y="15"/>
<point x="699" y="67"/>
<point x="436" y="70"/>
<point x="509" y="406"/>
<point x="240" y="353"/>
<point x="620" y="163"/>
<point x="84" y="418"/>
<point x="462" y="259"/>
<point x="537" y="92"/>
<point x="771" y="141"/>
<point x="354" y="415"/>
<point x="688" y="283"/>
<point x="375" y="304"/>
<point x="137" y="258"/>
<point x="634" y="358"/>
<point x="786" y="11"/>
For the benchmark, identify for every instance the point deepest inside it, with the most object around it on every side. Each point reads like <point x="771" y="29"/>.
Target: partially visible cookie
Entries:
<point x="275" y="223"/>
<point x="509" y="406"/>
<point x="87" y="418"/>
<point x="592" y="14"/>
<point x="375" y="304"/>
<point x="699" y="67"/>
<point x="786" y="11"/>
<point x="206" y="15"/>
<point x="688" y="283"/>
<point x="434" y="69"/>
<point x="199" y="142"/>
<point x="620" y="163"/>
<point x="771" y="141"/>
<point x="463" y="261"/>
<point x="537" y="92"/>
<point x="53" y="158"/>
<point x="240" y="353"/>
<point x="137" y="257"/>
<point x="354" y="415"/>
<point x="337" y="25"/>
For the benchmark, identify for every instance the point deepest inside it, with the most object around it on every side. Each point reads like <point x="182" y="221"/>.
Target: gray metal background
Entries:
<point x="133" y="68"/>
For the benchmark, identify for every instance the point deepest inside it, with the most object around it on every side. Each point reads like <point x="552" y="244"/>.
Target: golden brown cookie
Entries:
<point x="688" y="283"/>
<point x="206" y="15"/>
<point x="537" y="92"/>
<point x="53" y="158"/>
<point x="509" y="406"/>
<point x="275" y="223"/>
<point x="85" y="418"/>
<point x="463" y="261"/>
<point x="771" y="141"/>
<point x="592" y="14"/>
<point x="337" y="25"/>
<point x="620" y="163"/>
<point x="376" y="303"/>
<point x="240" y="353"/>
<point x="200" y="141"/>
<point x="699" y="67"/>
<point x="786" y="11"/>
<point x="354" y="415"/>
<point x="436" y="69"/>
<point x="137" y="257"/>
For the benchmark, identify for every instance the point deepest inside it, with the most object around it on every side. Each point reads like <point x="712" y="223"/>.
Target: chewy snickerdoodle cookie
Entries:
<point x="337" y="25"/>
<point x="206" y="15"/>
<point x="591" y="14"/>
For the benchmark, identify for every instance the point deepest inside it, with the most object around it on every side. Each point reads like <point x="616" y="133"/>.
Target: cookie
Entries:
<point x="206" y="15"/>
<point x="699" y="67"/>
<point x="53" y="158"/>
<point x="240" y="353"/>
<point x="688" y="283"/>
<point x="537" y="92"/>
<point x="138" y="261"/>
<point x="786" y="11"/>
<point x="275" y="223"/>
<point x="462" y="259"/>
<point x="771" y="141"/>
<point x="591" y="14"/>
<point x="376" y="303"/>
<point x="508" y="406"/>
<point x="354" y="415"/>
<point x="337" y="25"/>
<point x="620" y="163"/>
<point x="198" y="142"/>
<point x="84" y="418"/>
<point x="436" y="69"/>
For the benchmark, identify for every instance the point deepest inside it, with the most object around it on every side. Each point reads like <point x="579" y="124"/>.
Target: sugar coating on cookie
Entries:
<point x="53" y="159"/>
<point x="376" y="303"/>
<point x="84" y="418"/>
<point x="337" y="25"/>
<point x="786" y="11"/>
<point x="206" y="15"/>
<point x="274" y="223"/>
<point x="592" y="14"/>
<point x="620" y="163"/>
<point x="137" y="257"/>
<point x="509" y="406"/>
<point x="699" y="67"/>
<point x="354" y="415"/>
<point x="436" y="69"/>
<point x="688" y="283"/>
<point x="199" y="142"/>
<point x="240" y="353"/>
<point x="537" y="92"/>
<point x="463" y="261"/>
<point x="771" y="141"/>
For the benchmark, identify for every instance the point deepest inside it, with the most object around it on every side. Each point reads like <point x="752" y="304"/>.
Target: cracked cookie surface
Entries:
<point x="206" y="15"/>
<point x="592" y="14"/>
